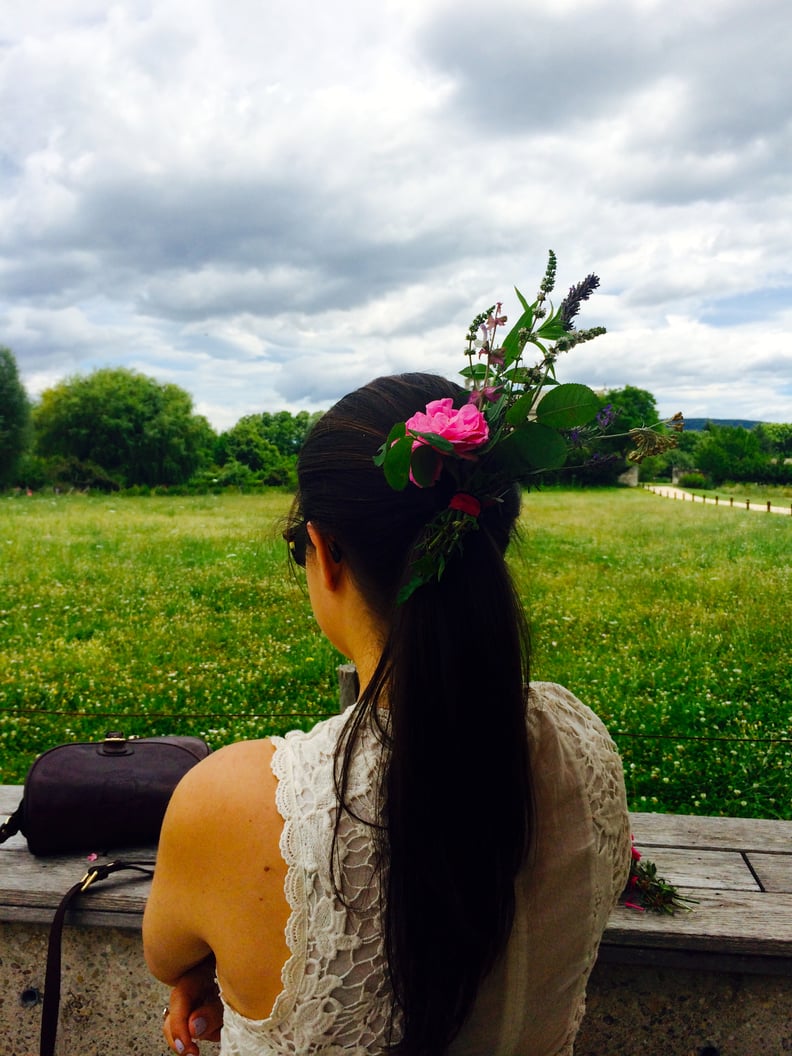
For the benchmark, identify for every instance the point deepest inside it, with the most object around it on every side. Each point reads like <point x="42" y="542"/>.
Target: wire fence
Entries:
<point x="270" y="716"/>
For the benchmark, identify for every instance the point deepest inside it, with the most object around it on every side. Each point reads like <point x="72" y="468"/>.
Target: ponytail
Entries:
<point x="447" y="699"/>
<point x="457" y="790"/>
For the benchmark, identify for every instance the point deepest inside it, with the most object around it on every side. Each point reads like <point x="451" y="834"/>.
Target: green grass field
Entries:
<point x="161" y="615"/>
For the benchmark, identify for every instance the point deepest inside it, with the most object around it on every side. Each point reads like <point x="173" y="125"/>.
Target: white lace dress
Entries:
<point x="335" y="997"/>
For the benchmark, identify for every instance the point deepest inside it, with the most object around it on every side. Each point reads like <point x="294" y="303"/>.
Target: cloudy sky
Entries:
<point x="269" y="202"/>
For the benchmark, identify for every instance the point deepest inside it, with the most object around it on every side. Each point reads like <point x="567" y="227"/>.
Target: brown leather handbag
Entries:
<point x="96" y="797"/>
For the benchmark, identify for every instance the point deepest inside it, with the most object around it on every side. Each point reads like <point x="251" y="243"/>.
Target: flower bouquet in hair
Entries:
<point x="518" y="422"/>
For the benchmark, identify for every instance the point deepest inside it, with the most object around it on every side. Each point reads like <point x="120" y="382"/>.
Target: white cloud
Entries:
<point x="270" y="204"/>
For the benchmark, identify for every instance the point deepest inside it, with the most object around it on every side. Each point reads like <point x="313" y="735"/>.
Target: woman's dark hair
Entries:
<point x="454" y="793"/>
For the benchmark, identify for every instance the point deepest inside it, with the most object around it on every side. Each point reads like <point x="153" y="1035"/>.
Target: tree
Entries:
<point x="120" y="426"/>
<point x="266" y="443"/>
<point x="244" y="443"/>
<point x="633" y="408"/>
<point x="731" y="452"/>
<point x="286" y="431"/>
<point x="14" y="418"/>
<point x="775" y="438"/>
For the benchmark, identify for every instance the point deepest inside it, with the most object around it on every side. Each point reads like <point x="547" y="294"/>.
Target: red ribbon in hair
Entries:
<point x="465" y="503"/>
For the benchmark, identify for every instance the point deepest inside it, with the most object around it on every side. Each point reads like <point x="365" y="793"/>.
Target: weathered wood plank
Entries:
<point x="715" y="870"/>
<point x="746" y="922"/>
<point x="31" y="888"/>
<point x="685" y="830"/>
<point x="10" y="795"/>
<point x="21" y="871"/>
<point x="125" y="891"/>
<point x="774" y="871"/>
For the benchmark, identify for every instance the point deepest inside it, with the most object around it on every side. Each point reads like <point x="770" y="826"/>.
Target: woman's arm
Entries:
<point x="219" y="881"/>
<point x="173" y="939"/>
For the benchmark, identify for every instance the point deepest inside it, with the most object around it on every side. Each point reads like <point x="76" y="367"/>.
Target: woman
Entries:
<point x="432" y="871"/>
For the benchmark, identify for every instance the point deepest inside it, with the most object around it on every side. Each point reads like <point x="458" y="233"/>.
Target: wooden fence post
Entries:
<point x="348" y="685"/>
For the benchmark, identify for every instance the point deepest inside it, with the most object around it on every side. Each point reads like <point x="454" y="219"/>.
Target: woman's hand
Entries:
<point x="196" y="1011"/>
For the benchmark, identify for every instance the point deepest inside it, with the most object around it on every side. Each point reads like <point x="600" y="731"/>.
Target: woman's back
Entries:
<point x="336" y="995"/>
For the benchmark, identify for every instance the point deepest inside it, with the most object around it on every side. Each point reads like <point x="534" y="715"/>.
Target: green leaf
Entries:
<point x="397" y="463"/>
<point x="396" y="433"/>
<point x="424" y="463"/>
<point x="553" y="328"/>
<point x="530" y="448"/>
<point x="526" y="306"/>
<point x="477" y="371"/>
<point x="409" y="589"/>
<point x="439" y="443"/>
<point x="511" y="342"/>
<point x="520" y="409"/>
<point x="566" y="406"/>
<point x="492" y="411"/>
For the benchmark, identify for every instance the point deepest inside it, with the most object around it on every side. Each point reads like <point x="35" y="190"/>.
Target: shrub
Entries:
<point x="693" y="480"/>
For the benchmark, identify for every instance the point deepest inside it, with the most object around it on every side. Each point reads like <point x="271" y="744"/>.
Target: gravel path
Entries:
<point x="669" y="492"/>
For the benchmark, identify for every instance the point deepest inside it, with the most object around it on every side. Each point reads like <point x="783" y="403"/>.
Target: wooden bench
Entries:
<point x="716" y="980"/>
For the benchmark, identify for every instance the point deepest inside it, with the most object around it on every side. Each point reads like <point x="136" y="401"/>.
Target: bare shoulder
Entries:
<point x="242" y="756"/>
<point x="232" y="785"/>
<point x="218" y="884"/>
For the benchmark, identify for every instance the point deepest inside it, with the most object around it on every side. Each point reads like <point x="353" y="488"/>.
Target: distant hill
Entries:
<point x="695" y="425"/>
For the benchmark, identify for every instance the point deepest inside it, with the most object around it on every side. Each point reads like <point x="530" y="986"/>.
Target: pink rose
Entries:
<point x="465" y="428"/>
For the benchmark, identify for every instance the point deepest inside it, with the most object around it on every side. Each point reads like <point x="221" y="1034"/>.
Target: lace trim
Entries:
<point x="294" y="885"/>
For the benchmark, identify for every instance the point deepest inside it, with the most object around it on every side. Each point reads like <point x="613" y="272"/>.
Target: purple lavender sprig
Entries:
<point x="605" y="416"/>
<point x="570" y="306"/>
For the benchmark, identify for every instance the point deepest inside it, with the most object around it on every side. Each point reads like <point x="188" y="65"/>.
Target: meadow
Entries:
<point x="179" y="614"/>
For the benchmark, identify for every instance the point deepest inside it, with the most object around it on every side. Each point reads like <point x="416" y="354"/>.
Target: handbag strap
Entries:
<point x="11" y="825"/>
<point x="52" y="979"/>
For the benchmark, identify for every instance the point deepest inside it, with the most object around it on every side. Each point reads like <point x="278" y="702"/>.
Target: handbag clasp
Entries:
<point x="115" y="743"/>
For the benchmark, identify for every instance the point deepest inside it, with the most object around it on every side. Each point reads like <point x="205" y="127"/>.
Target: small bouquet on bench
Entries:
<point x="646" y="890"/>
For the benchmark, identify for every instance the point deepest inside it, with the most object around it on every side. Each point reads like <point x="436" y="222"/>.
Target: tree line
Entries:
<point x="720" y="454"/>
<point x="116" y="429"/>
